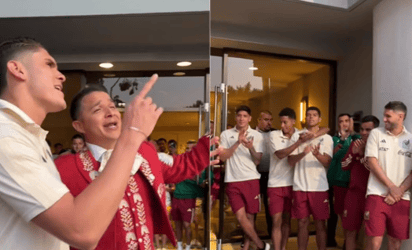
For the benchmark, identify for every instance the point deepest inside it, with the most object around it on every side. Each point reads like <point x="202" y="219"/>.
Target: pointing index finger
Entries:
<point x="148" y="86"/>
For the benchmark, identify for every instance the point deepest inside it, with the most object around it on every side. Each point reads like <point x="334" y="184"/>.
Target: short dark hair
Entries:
<point x="313" y="108"/>
<point x="76" y="104"/>
<point x="244" y="108"/>
<point x="288" y="112"/>
<point x="371" y="118"/>
<point x="265" y="112"/>
<point x="77" y="136"/>
<point x="173" y="142"/>
<point x="344" y="114"/>
<point x="161" y="139"/>
<point x="58" y="144"/>
<point x="10" y="50"/>
<point x="397" y="106"/>
<point x="191" y="142"/>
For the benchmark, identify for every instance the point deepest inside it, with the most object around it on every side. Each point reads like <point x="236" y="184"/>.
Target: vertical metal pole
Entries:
<point x="208" y="177"/>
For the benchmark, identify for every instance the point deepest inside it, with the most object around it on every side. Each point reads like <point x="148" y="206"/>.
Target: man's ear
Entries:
<point x="17" y="70"/>
<point x="78" y="126"/>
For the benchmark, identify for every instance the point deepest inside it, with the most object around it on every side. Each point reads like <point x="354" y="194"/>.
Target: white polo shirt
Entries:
<point x="240" y="166"/>
<point x="310" y="174"/>
<point x="280" y="173"/>
<point x="264" y="164"/>
<point x="394" y="154"/>
<point x="29" y="181"/>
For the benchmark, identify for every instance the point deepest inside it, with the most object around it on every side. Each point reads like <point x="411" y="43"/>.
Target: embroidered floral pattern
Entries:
<point x="147" y="171"/>
<point x="87" y="162"/>
<point x="161" y="190"/>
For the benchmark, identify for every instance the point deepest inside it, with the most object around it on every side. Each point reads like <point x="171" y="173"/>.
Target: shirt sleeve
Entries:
<point x="327" y="147"/>
<point x="223" y="140"/>
<point x="371" y="149"/>
<point x="258" y="143"/>
<point x="293" y="140"/>
<point x="27" y="183"/>
<point x="272" y="142"/>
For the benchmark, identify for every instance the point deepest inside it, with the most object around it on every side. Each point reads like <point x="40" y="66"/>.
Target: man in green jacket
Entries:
<point x="337" y="178"/>
<point x="184" y="204"/>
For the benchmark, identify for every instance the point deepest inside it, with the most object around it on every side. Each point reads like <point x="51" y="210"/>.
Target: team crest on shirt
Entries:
<point x="406" y="144"/>
<point x="283" y="141"/>
<point x="367" y="215"/>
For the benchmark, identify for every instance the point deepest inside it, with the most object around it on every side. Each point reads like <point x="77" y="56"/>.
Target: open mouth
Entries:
<point x="111" y="125"/>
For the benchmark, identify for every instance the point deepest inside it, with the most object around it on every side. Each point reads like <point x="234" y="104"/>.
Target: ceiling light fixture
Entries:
<point x="253" y="68"/>
<point x="109" y="75"/>
<point x="106" y="65"/>
<point x="179" y="73"/>
<point x="184" y="64"/>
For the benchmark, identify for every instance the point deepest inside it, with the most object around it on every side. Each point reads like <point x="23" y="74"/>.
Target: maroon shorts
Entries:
<point x="310" y="203"/>
<point x="380" y="216"/>
<point x="354" y="209"/>
<point x="244" y="194"/>
<point x="280" y="199"/>
<point x="339" y="194"/>
<point x="183" y="209"/>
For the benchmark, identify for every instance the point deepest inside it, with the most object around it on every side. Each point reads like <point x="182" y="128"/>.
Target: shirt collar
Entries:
<point x="248" y="129"/>
<point x="282" y="135"/>
<point x="96" y="151"/>
<point x="404" y="131"/>
<point x="22" y="118"/>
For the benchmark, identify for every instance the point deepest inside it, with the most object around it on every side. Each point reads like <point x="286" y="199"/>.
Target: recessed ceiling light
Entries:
<point x="253" y="68"/>
<point x="302" y="61"/>
<point x="179" y="73"/>
<point x="184" y="64"/>
<point x="109" y="75"/>
<point x="106" y="65"/>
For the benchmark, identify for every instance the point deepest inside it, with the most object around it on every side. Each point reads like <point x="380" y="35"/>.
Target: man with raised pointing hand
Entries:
<point x="37" y="211"/>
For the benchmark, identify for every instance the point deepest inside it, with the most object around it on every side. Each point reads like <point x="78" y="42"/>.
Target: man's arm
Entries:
<point x="228" y="152"/>
<point x="82" y="220"/>
<point x="280" y="154"/>
<point x="406" y="184"/>
<point x="293" y="159"/>
<point x="395" y="191"/>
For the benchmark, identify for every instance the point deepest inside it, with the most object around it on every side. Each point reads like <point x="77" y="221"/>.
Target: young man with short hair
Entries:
<point x="310" y="185"/>
<point x="355" y="162"/>
<point x="389" y="156"/>
<point x="37" y="209"/>
<point x="243" y="149"/>
<point x="337" y="178"/>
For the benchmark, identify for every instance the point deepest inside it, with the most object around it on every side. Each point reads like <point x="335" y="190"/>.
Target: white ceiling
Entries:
<point x="136" y="42"/>
<point x="285" y="27"/>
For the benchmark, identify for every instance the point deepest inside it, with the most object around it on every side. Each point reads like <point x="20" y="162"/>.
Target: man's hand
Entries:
<point x="248" y="143"/>
<point x="242" y="136"/>
<point x="337" y="148"/>
<point x="142" y="113"/>
<point x="216" y="152"/>
<point x="359" y="147"/>
<point x="389" y="200"/>
<point x="304" y="137"/>
<point x="315" y="150"/>
<point x="395" y="192"/>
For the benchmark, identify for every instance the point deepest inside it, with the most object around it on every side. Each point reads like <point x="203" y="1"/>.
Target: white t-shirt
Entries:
<point x="240" y="166"/>
<point x="394" y="154"/>
<point x="310" y="174"/>
<point x="280" y="173"/>
<point x="29" y="182"/>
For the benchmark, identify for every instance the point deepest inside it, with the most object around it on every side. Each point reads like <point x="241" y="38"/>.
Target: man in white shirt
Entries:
<point x="310" y="185"/>
<point x="389" y="155"/>
<point x="242" y="151"/>
<point x="36" y="209"/>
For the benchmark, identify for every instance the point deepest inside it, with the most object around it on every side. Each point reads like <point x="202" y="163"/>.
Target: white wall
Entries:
<point x="36" y="8"/>
<point x="354" y="77"/>
<point x="392" y="60"/>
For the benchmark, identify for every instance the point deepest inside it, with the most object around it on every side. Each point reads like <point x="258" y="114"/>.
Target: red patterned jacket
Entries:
<point x="142" y="211"/>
